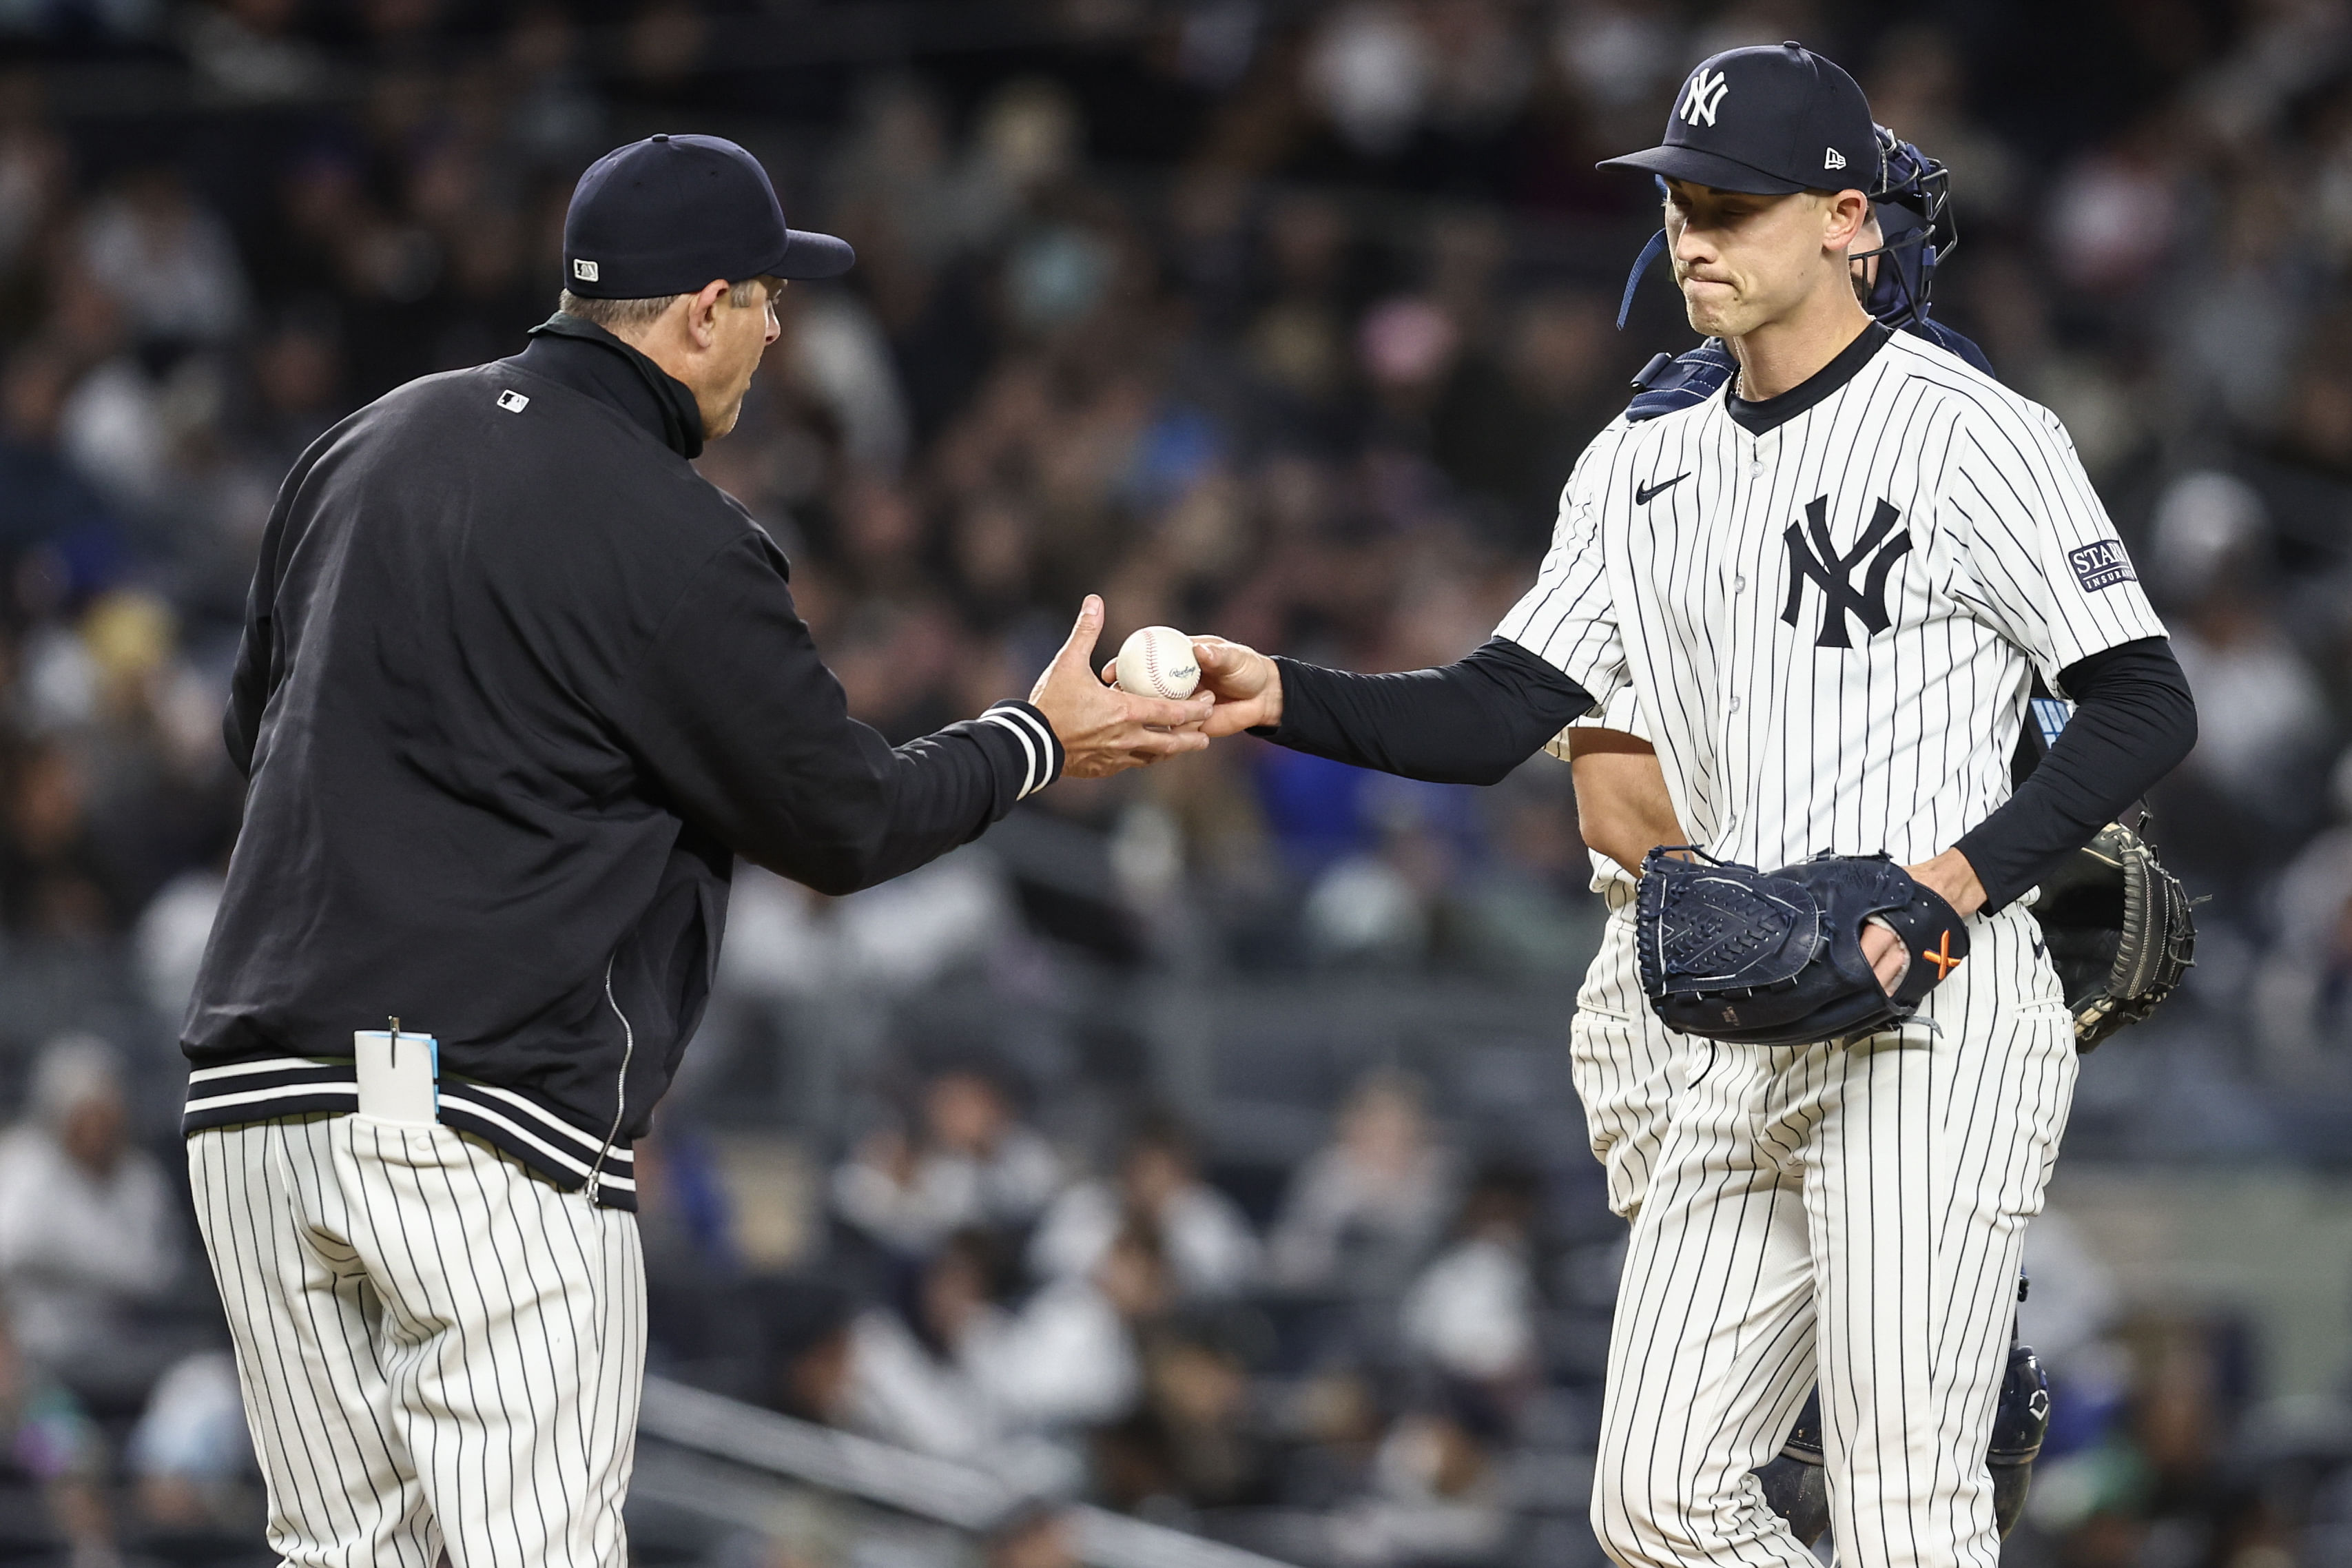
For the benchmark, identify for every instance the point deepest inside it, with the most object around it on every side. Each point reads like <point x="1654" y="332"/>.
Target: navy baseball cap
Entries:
<point x="671" y="214"/>
<point x="1770" y="120"/>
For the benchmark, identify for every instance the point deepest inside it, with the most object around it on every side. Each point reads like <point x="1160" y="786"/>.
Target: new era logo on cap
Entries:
<point x="583" y="270"/>
<point x="1833" y="158"/>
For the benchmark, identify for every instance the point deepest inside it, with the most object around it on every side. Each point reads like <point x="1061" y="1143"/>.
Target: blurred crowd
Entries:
<point x="1390" y="1355"/>
<point x="1278" y="319"/>
<point x="1347" y="1387"/>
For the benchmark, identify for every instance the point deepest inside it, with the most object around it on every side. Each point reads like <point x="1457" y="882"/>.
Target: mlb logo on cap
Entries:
<point x="585" y="270"/>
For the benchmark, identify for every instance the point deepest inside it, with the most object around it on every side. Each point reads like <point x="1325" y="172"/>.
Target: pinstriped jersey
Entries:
<point x="1621" y="712"/>
<point x="1831" y="626"/>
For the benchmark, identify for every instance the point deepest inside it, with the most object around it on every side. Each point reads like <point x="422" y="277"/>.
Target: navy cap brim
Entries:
<point x="1699" y="168"/>
<point x="808" y="254"/>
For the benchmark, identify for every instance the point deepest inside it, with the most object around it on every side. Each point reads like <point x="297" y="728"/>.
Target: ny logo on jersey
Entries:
<point x="1705" y="97"/>
<point x="1820" y="562"/>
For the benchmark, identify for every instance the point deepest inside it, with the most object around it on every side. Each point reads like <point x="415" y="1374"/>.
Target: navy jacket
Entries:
<point x="516" y="687"/>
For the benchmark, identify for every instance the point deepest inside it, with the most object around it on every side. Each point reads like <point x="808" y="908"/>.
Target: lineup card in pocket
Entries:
<point x="399" y="1075"/>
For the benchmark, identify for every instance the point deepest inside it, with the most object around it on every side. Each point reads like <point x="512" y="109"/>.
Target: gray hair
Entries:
<point x="621" y="317"/>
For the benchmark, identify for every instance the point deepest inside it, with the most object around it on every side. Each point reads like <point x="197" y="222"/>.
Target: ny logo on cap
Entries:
<point x="585" y="270"/>
<point x="1705" y="97"/>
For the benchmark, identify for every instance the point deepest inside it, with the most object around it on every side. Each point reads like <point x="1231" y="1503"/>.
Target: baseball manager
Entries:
<point x="516" y="687"/>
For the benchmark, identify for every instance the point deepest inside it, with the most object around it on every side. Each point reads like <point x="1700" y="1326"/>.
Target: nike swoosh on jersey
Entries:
<point x="1645" y="494"/>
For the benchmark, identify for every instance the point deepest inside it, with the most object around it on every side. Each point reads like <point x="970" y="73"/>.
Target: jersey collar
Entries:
<point x="1758" y="418"/>
<point x="613" y="372"/>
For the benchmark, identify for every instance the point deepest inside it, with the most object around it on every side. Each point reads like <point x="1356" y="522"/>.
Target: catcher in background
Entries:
<point x="1829" y="588"/>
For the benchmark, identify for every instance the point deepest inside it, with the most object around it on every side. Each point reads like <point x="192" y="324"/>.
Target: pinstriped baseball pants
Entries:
<point x="1854" y="1214"/>
<point x="437" y="1350"/>
<point x="1621" y="1060"/>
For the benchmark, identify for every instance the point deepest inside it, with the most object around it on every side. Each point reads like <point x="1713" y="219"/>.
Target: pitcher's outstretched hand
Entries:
<point x="1247" y="685"/>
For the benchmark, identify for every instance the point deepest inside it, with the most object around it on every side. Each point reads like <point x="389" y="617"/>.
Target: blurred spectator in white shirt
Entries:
<point x="87" y="1229"/>
<point x="169" y="261"/>
<point x="192" y="1451"/>
<point x="866" y="1369"/>
<point x="1070" y="1357"/>
<point x="1363" y="1211"/>
<point x="1211" y="1252"/>
<point x="905" y="1385"/>
<point x="975" y="1164"/>
<point x="910" y="1383"/>
<point x="1370" y="70"/>
<point x="2262" y="714"/>
<point x="1473" y="1311"/>
<point x="168" y="943"/>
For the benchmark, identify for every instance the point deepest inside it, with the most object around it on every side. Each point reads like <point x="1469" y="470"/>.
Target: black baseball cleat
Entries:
<point x="2019" y="1424"/>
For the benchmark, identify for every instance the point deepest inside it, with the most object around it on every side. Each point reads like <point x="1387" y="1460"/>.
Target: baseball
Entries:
<point x="1157" y="662"/>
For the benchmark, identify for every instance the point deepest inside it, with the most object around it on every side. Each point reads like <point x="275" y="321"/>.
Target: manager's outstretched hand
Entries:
<point x="1246" y="684"/>
<point x="1105" y="731"/>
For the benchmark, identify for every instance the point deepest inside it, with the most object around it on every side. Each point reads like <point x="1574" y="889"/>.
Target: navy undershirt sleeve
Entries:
<point x="2134" y="722"/>
<point x="1471" y="721"/>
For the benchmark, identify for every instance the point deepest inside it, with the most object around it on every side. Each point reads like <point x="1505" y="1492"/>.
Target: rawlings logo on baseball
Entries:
<point x="1157" y="662"/>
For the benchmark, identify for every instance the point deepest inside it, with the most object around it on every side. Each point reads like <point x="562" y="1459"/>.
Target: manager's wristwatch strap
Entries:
<point x="1036" y="754"/>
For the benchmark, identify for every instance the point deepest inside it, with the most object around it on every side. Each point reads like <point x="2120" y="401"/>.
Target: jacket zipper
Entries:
<point x="620" y="1090"/>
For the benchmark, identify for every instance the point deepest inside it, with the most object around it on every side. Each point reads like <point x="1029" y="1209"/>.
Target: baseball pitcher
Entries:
<point x="1829" y="588"/>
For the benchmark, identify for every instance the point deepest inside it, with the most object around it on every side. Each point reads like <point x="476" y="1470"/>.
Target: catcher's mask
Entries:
<point x="1915" y="226"/>
<point x="1916" y="231"/>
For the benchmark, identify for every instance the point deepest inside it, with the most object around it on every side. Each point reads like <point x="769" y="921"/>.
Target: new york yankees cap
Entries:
<point x="1767" y="120"/>
<point x="670" y="214"/>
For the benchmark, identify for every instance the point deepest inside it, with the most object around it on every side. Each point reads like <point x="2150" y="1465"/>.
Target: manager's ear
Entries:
<point x="702" y="311"/>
